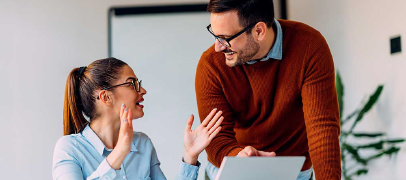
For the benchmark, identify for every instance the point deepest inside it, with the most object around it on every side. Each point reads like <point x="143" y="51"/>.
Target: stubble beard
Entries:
<point x="250" y="50"/>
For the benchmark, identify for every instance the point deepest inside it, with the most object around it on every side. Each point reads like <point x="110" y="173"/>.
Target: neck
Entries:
<point x="266" y="45"/>
<point x="107" y="129"/>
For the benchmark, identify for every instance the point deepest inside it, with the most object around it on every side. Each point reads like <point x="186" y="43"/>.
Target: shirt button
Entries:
<point x="124" y="177"/>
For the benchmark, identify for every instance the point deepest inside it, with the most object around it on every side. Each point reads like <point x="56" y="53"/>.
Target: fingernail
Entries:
<point x="122" y="105"/>
<point x="125" y="120"/>
<point x="125" y="109"/>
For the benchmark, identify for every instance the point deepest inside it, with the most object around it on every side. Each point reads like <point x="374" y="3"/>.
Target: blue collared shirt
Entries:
<point x="276" y="50"/>
<point x="83" y="156"/>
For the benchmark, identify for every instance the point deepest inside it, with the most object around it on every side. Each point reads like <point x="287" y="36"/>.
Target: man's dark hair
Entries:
<point x="249" y="11"/>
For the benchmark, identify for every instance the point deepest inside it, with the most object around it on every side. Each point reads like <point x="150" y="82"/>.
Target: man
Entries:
<point x="274" y="82"/>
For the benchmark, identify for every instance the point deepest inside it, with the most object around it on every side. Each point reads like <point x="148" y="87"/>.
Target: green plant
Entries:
<point x="350" y="149"/>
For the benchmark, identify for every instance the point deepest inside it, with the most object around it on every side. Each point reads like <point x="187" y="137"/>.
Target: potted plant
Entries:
<point x="353" y="163"/>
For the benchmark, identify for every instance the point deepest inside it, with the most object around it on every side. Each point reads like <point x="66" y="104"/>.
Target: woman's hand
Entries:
<point x="125" y="138"/>
<point x="196" y="140"/>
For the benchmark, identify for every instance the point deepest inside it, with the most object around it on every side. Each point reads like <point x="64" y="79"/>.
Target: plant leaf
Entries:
<point x="394" y="141"/>
<point x="378" y="146"/>
<point x="352" y="114"/>
<point x="360" y="172"/>
<point x="340" y="93"/>
<point x="389" y="152"/>
<point x="354" y="152"/>
<point x="368" y="135"/>
<point x="392" y="150"/>
<point x="376" y="156"/>
<point x="372" y="100"/>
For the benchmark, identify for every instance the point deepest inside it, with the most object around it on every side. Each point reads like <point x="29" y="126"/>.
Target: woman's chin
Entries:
<point x="138" y="115"/>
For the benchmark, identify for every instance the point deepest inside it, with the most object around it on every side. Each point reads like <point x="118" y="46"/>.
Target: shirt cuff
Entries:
<point x="105" y="171"/>
<point x="189" y="171"/>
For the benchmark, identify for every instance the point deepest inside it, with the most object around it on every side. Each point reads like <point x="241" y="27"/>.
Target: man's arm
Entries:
<point x="209" y="95"/>
<point x="320" y="109"/>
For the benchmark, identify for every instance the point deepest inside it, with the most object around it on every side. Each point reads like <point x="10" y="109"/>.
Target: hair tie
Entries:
<point x="82" y="70"/>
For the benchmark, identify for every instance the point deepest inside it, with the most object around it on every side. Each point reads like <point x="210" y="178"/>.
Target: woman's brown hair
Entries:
<point x="79" y="92"/>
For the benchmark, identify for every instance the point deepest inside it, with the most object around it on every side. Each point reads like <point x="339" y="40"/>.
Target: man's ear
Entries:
<point x="260" y="30"/>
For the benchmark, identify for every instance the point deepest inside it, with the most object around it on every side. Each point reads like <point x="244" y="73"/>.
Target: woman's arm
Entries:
<point x="67" y="166"/>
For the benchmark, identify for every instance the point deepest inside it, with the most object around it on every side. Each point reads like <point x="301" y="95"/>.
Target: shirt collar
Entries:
<point x="276" y="50"/>
<point x="95" y="141"/>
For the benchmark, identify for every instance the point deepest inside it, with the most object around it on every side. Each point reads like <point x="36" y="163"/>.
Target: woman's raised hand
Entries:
<point x="197" y="140"/>
<point x="125" y="138"/>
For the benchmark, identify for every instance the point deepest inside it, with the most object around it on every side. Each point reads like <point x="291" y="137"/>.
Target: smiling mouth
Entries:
<point x="229" y="55"/>
<point x="138" y="103"/>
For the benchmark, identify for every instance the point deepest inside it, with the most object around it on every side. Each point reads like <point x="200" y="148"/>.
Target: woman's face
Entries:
<point x="127" y="94"/>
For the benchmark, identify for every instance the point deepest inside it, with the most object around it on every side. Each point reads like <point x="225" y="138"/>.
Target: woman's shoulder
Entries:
<point x="141" y="138"/>
<point x="67" y="143"/>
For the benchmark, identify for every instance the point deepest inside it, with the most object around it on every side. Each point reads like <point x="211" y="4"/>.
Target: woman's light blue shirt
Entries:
<point x="83" y="156"/>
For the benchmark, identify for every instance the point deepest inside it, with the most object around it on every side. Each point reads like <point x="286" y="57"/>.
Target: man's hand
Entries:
<point x="251" y="151"/>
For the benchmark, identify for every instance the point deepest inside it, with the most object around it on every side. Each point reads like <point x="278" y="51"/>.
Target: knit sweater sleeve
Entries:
<point x="209" y="95"/>
<point x="320" y="107"/>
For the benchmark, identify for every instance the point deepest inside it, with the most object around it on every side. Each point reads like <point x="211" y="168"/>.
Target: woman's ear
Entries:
<point x="104" y="97"/>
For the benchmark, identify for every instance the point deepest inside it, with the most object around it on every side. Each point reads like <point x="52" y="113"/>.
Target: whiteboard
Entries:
<point x="163" y="46"/>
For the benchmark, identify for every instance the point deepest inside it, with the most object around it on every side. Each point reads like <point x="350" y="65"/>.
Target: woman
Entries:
<point x="109" y="94"/>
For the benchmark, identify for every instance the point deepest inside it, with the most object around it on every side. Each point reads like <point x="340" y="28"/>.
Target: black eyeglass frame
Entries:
<point x="132" y="83"/>
<point x="232" y="37"/>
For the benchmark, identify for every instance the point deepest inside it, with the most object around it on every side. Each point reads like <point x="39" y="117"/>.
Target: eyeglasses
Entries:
<point x="134" y="82"/>
<point x="226" y="41"/>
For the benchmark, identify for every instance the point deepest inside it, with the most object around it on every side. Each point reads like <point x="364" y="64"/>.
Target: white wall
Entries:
<point x="358" y="34"/>
<point x="40" y="42"/>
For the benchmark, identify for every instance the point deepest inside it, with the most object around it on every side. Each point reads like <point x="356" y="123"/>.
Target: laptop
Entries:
<point x="260" y="168"/>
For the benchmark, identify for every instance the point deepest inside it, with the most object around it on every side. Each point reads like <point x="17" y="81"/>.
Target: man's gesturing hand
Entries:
<point x="251" y="151"/>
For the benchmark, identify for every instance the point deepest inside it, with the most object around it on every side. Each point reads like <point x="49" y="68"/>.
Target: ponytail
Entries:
<point x="73" y="119"/>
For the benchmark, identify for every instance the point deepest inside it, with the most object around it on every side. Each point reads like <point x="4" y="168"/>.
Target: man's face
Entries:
<point x="243" y="48"/>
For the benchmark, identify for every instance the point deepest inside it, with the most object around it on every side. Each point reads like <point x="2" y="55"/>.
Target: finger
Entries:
<point x="242" y="153"/>
<point x="189" y="124"/>
<point x="214" y="120"/>
<point x="126" y="137"/>
<point x="212" y="129"/>
<point x="208" y="117"/>
<point x="267" y="154"/>
<point x="249" y="152"/>
<point x="212" y="135"/>
<point x="124" y="125"/>
<point x="130" y="118"/>
<point x="122" y="109"/>
<point x="123" y="118"/>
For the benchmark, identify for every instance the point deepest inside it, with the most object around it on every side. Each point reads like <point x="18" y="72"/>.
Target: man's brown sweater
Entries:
<point x="288" y="106"/>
